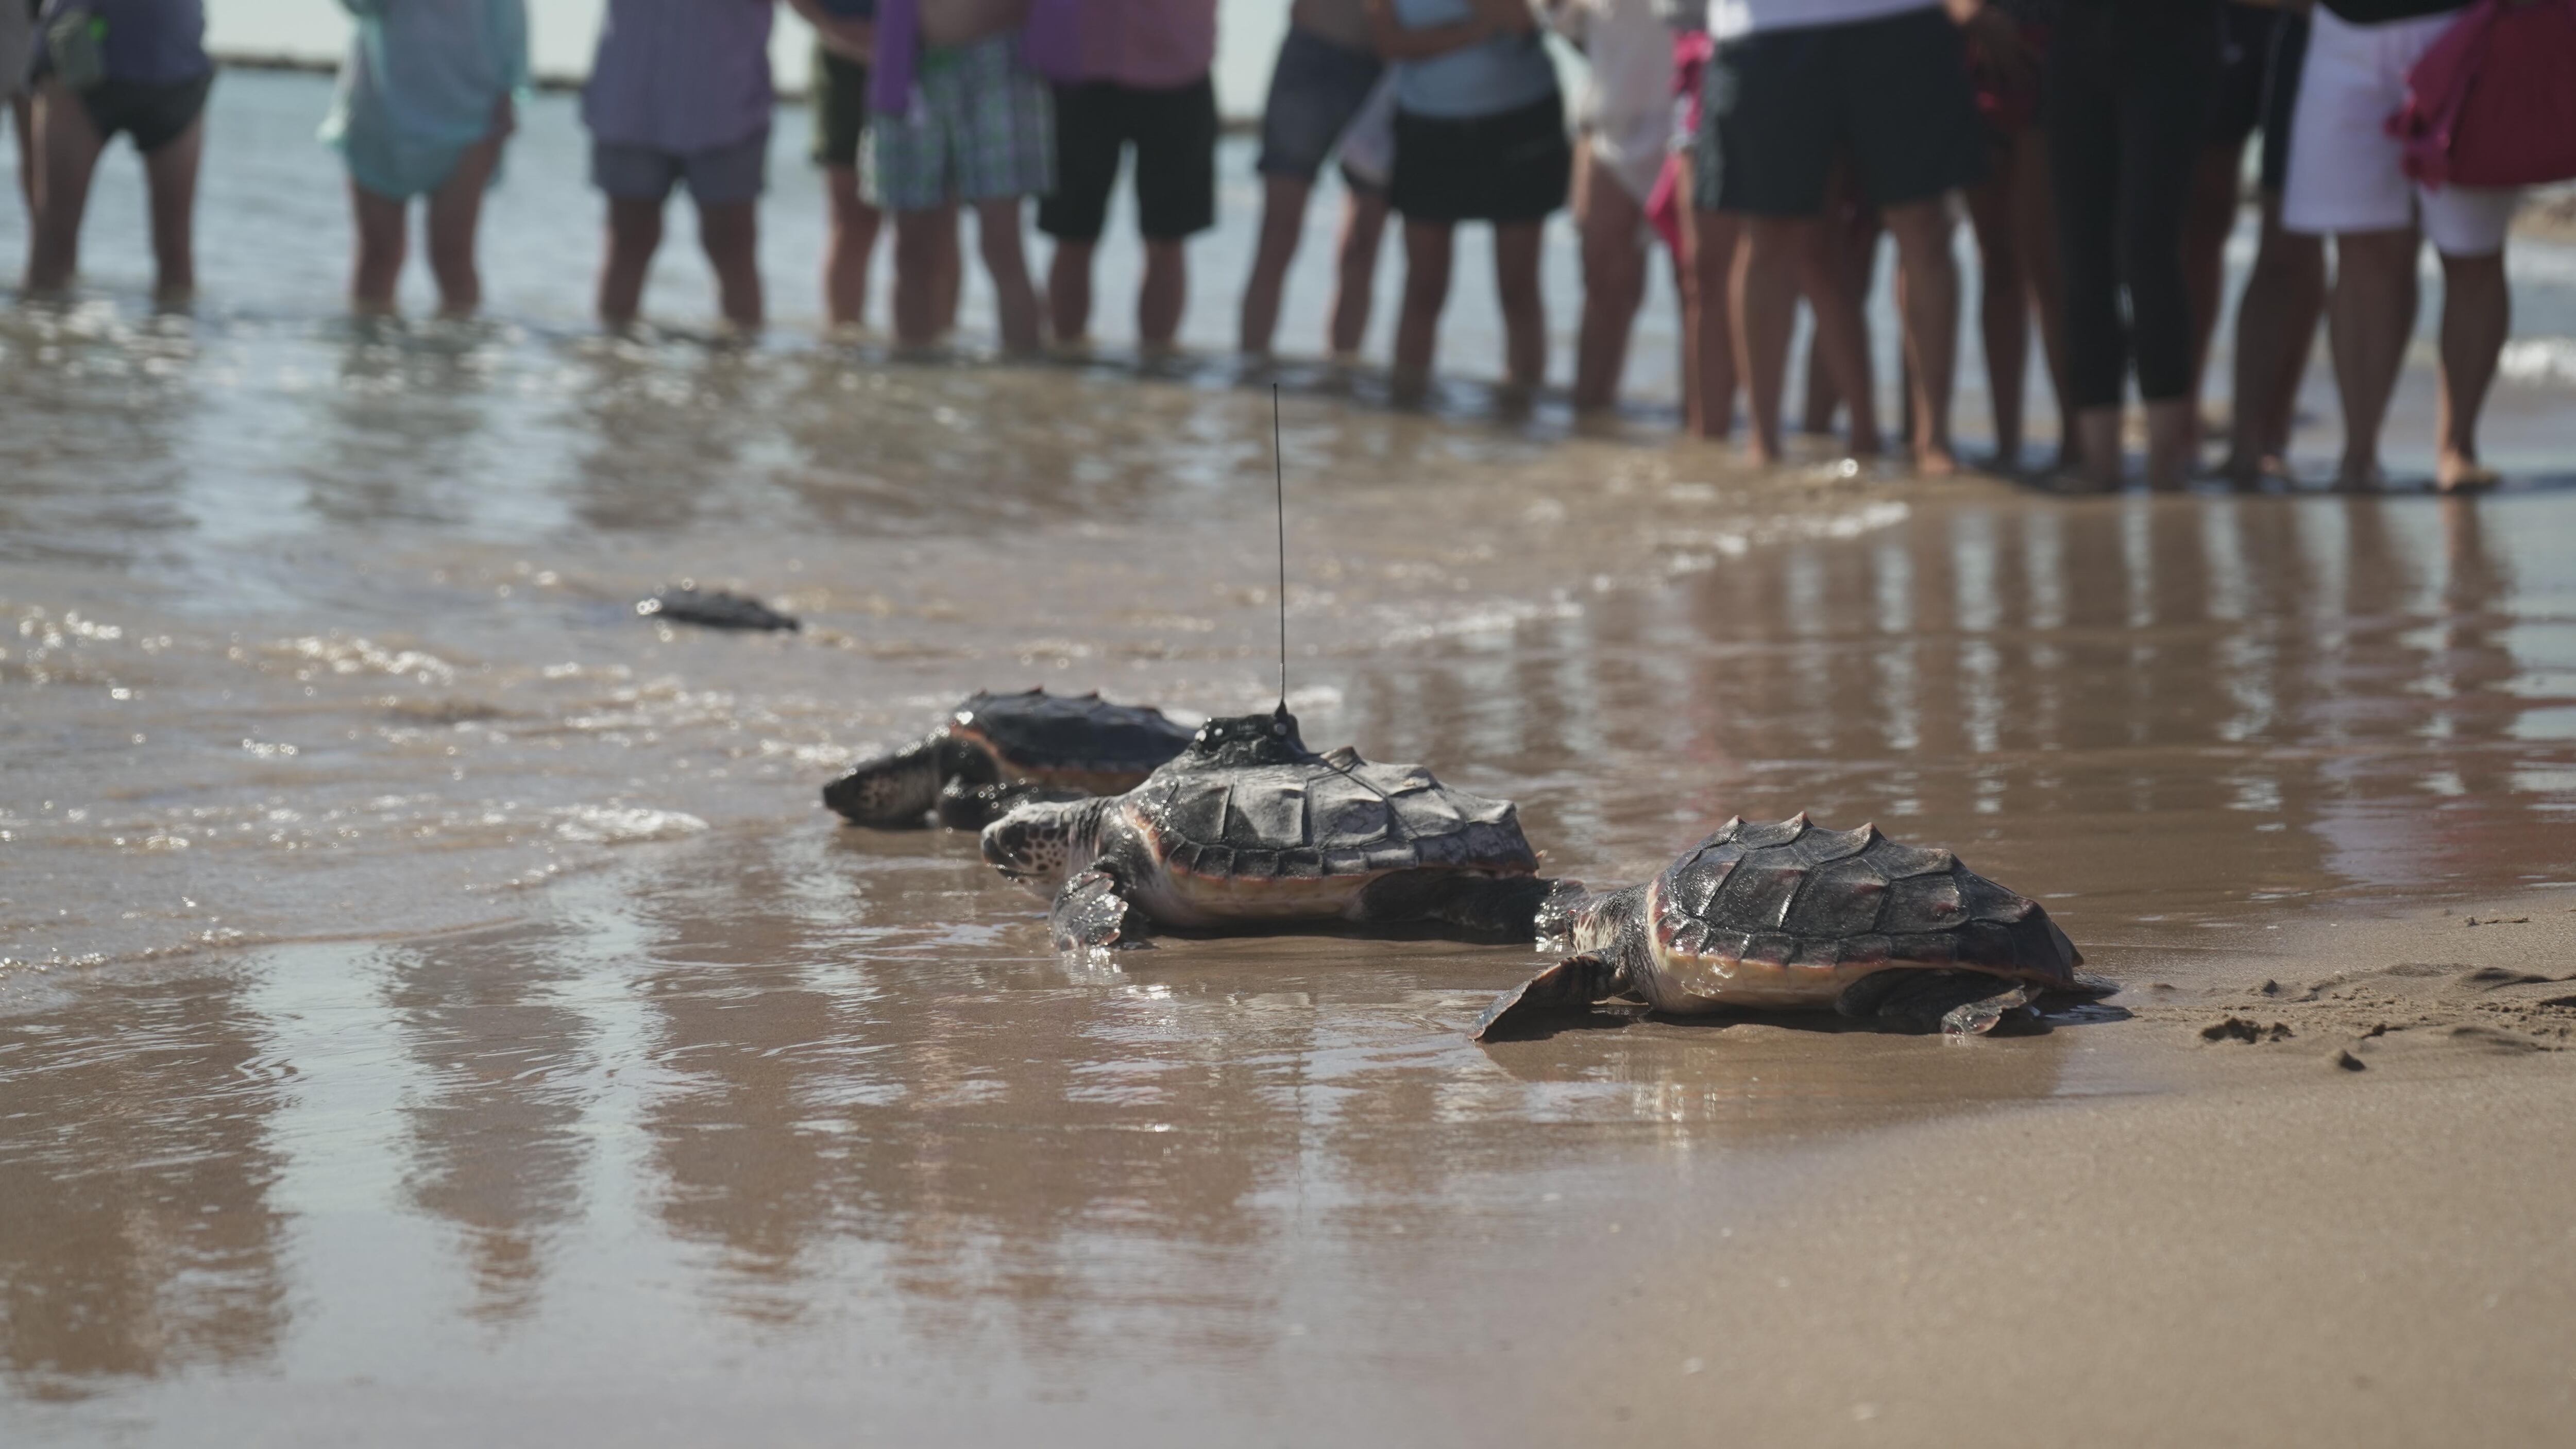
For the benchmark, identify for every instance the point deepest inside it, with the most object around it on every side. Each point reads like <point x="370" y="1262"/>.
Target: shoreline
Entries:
<point x="2232" y="1240"/>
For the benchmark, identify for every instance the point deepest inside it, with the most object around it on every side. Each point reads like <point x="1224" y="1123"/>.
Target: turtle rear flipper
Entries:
<point x="1567" y="988"/>
<point x="1091" y="915"/>
<point x="1956" y="1003"/>
<point x="1503" y="908"/>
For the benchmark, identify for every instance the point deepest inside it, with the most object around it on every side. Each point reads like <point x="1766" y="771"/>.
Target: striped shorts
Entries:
<point x="981" y="126"/>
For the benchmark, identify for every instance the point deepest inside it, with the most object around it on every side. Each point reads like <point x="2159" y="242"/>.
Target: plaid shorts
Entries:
<point x="981" y="126"/>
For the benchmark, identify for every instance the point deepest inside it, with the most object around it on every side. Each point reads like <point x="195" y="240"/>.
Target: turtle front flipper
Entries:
<point x="1567" y="988"/>
<point x="1091" y="915"/>
<point x="1956" y="1003"/>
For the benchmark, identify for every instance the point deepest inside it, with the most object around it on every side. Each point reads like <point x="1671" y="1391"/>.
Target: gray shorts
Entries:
<point x="738" y="172"/>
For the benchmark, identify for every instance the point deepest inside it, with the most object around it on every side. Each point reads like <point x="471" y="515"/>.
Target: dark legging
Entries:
<point x="2130" y="88"/>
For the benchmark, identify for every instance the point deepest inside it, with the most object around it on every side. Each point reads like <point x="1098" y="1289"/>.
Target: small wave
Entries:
<point x="624" y="824"/>
<point x="2540" y="360"/>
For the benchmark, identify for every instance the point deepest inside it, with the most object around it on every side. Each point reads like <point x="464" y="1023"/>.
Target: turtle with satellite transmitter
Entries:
<point x="1249" y="830"/>
<point x="1795" y="917"/>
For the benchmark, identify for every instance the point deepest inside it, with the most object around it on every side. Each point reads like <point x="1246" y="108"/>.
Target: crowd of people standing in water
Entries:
<point x="2095" y="147"/>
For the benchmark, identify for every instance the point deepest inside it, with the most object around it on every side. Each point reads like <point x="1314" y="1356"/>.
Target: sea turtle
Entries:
<point x="995" y="750"/>
<point x="1247" y="829"/>
<point x="714" y="609"/>
<point x="1798" y="917"/>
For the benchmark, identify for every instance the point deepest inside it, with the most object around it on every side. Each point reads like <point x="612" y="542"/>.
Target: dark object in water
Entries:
<point x="1248" y="830"/>
<point x="714" y="609"/>
<point x="995" y="751"/>
<point x="1793" y="917"/>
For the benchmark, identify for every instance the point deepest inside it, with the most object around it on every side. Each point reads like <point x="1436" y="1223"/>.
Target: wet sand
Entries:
<point x="435" y="1006"/>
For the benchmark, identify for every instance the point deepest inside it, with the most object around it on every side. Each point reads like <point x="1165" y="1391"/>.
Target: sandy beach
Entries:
<point x="435" y="1006"/>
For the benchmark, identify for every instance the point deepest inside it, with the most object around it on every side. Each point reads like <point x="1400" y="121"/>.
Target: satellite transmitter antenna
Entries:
<point x="1279" y="475"/>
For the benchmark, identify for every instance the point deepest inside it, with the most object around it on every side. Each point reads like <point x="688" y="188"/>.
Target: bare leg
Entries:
<point x="1427" y="250"/>
<point x="2276" y="324"/>
<point x="952" y="268"/>
<point x="2097" y="446"/>
<point x="2477" y="315"/>
<point x="2371" y="316"/>
<point x="1516" y="252"/>
<point x="2173" y="442"/>
<point x="2208" y="217"/>
<point x="455" y="217"/>
<point x="1283" y="221"/>
<point x="1355" y="290"/>
<point x="997" y="232"/>
<point x="849" y="247"/>
<point x="729" y="233"/>
<point x="24" y="108"/>
<point x="1931" y="317"/>
<point x="1069" y="290"/>
<point x="917" y="240"/>
<point x="634" y="234"/>
<point x="1614" y="279"/>
<point x="1165" y="292"/>
<point x="2003" y="304"/>
<point x="1849" y="244"/>
<point x="170" y="174"/>
<point x="2034" y="208"/>
<point x="69" y="146"/>
<point x="1779" y="258"/>
<point x="1709" y="244"/>
<point x="381" y="226"/>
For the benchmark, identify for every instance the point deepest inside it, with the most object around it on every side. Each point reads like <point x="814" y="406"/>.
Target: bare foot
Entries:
<point x="2359" y="475"/>
<point x="2459" y="472"/>
<point x="1935" y="460"/>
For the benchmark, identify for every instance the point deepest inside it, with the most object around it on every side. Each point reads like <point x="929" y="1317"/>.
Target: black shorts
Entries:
<point x="2281" y="98"/>
<point x="1510" y="167"/>
<point x="154" y="113"/>
<point x="2244" y="54"/>
<point x="1778" y="106"/>
<point x="1174" y="132"/>
<point x="839" y="96"/>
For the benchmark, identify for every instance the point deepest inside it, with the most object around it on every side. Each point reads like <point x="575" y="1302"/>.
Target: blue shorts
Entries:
<point x="1314" y="92"/>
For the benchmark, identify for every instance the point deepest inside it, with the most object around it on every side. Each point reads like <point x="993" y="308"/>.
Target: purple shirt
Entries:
<point x="1149" y="44"/>
<point x="680" y="76"/>
<point x="154" y="42"/>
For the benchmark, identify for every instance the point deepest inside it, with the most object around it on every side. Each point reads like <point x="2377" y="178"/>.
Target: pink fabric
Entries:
<point x="2490" y="103"/>
<point x="1148" y="44"/>
<point x="1691" y="52"/>
<point x="1051" y="42"/>
<point x="898" y="44"/>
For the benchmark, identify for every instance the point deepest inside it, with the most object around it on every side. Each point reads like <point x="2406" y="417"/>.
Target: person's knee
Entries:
<point x="1922" y="228"/>
<point x="2488" y="268"/>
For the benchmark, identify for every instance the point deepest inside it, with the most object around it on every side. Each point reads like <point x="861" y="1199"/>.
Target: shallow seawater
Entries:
<point x="434" y="1000"/>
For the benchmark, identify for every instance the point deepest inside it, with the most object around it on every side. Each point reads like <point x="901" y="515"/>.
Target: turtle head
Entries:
<point x="1607" y="922"/>
<point x="1040" y="842"/>
<point x="1249" y="739"/>
<point x="893" y="790"/>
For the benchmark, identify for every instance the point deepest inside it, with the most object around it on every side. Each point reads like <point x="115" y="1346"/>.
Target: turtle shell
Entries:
<point x="1077" y="740"/>
<point x="1336" y="815"/>
<point x="1790" y="914"/>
